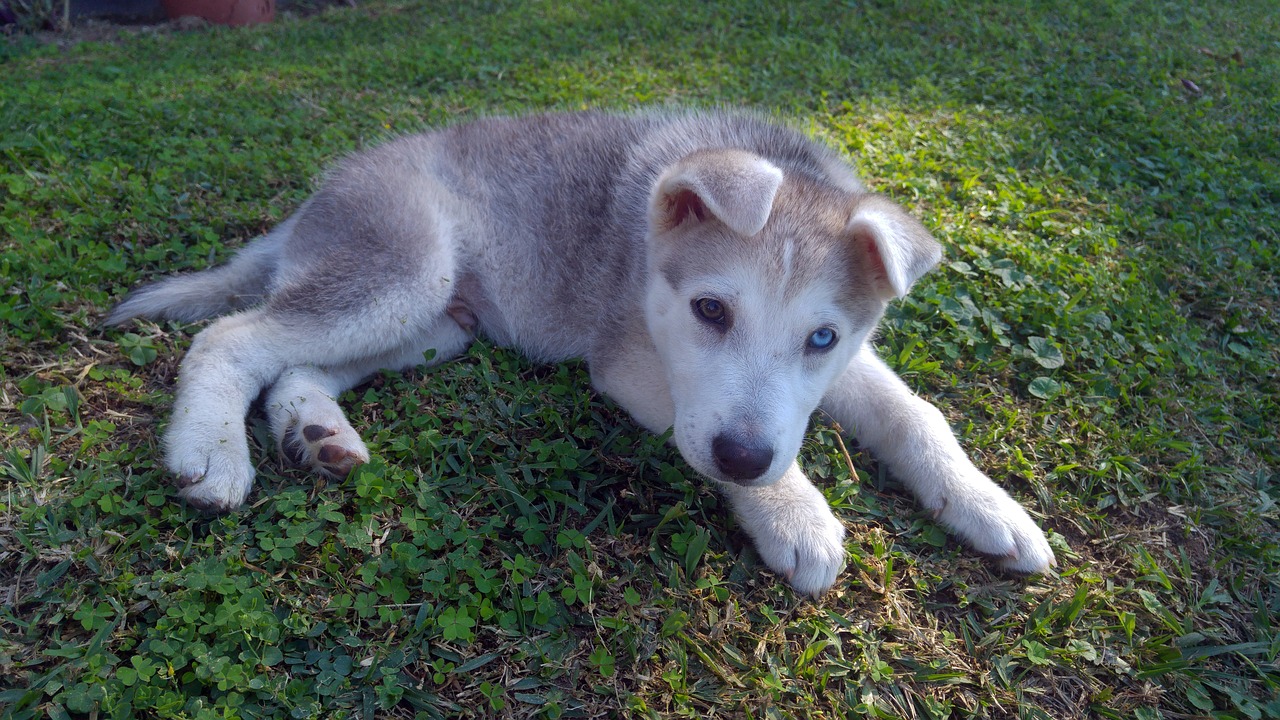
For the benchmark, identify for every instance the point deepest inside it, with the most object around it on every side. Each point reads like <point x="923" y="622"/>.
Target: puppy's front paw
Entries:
<point x="809" y="553"/>
<point x="794" y="531"/>
<point x="995" y="524"/>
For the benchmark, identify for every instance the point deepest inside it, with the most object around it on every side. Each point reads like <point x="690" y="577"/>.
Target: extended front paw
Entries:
<point x="995" y="524"/>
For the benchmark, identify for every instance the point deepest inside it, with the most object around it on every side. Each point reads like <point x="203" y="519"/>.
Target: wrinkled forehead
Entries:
<point x="802" y="249"/>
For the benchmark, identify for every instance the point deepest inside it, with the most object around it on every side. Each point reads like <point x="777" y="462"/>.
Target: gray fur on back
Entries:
<point x="536" y="224"/>
<point x="558" y="207"/>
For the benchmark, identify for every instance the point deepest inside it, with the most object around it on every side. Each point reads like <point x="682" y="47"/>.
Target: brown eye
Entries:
<point x="710" y="309"/>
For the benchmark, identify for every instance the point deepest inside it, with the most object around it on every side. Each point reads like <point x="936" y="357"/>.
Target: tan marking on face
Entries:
<point x="804" y="242"/>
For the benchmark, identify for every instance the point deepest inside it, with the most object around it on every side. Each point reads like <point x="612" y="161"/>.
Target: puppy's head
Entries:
<point x="763" y="286"/>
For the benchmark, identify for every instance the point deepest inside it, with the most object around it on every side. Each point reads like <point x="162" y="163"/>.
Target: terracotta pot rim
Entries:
<point x="222" y="12"/>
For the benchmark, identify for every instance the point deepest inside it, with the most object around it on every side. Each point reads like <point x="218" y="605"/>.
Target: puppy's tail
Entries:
<point x="236" y="285"/>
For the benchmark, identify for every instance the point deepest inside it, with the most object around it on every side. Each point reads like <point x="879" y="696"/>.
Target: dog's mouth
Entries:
<point x="763" y="480"/>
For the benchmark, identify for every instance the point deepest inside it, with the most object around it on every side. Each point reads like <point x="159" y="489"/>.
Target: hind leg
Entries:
<point x="231" y="361"/>
<point x="228" y="364"/>
<point x="310" y="427"/>
<point x="366" y="273"/>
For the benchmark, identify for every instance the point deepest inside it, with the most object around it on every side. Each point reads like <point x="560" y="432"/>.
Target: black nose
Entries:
<point x="740" y="462"/>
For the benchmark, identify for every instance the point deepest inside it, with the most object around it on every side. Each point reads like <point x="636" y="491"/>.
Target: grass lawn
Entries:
<point x="1102" y="335"/>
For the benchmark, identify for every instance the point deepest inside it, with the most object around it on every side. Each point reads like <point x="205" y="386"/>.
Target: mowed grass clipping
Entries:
<point x="1102" y="335"/>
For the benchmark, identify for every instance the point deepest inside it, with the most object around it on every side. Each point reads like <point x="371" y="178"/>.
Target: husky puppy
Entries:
<point x="721" y="275"/>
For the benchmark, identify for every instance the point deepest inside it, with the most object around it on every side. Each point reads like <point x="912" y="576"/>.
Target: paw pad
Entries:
<point x="316" y="433"/>
<point x="323" y="449"/>
<point x="338" y="460"/>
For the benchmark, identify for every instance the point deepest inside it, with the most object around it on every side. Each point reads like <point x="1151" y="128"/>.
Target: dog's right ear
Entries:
<point x="895" y="247"/>
<point x="733" y="186"/>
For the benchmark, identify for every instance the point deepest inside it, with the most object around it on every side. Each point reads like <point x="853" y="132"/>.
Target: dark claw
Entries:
<point x="186" y="480"/>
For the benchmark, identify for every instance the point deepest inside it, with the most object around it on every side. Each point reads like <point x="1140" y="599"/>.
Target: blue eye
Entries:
<point x="822" y="339"/>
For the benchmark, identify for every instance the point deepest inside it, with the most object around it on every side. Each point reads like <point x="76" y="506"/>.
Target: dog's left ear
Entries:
<point x="733" y="186"/>
<point x="895" y="247"/>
